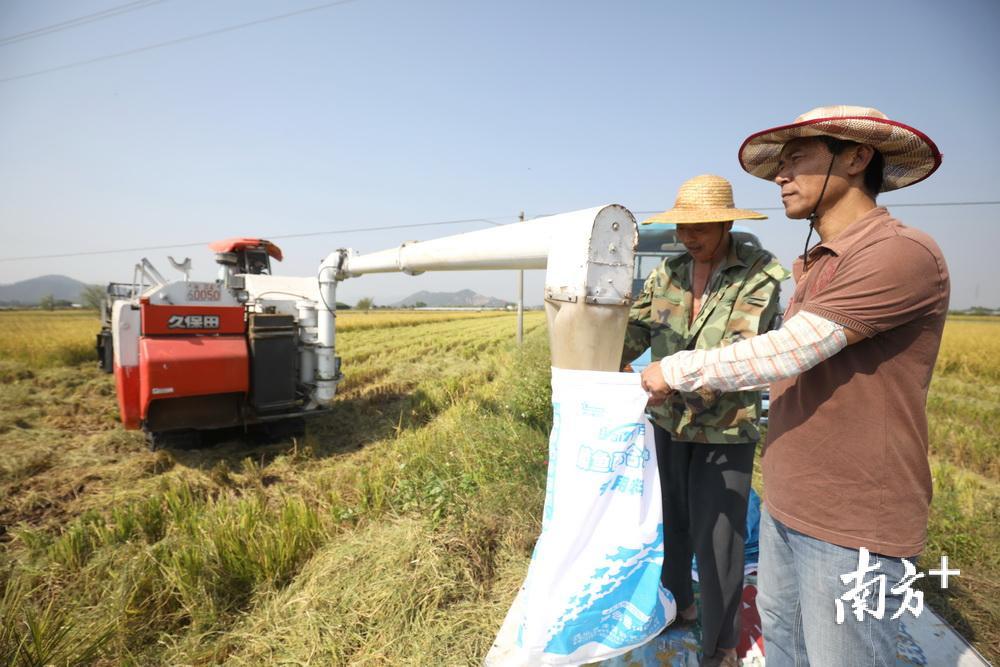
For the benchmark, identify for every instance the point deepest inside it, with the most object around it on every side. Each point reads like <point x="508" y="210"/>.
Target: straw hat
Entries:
<point x="704" y="198"/>
<point x="910" y="156"/>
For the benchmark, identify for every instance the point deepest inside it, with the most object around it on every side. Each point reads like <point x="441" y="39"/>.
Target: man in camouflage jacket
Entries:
<point x="742" y="302"/>
<point x="717" y="293"/>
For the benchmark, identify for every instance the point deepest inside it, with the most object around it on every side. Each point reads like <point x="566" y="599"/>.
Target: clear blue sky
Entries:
<point x="381" y="112"/>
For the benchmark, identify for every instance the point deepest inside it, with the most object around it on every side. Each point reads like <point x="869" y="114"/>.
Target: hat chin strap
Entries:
<point x="722" y="238"/>
<point x="812" y="217"/>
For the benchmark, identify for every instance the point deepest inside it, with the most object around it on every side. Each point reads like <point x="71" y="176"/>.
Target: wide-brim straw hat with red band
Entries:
<point x="705" y="198"/>
<point x="910" y="155"/>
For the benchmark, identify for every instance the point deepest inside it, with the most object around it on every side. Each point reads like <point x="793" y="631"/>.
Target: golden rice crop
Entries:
<point x="970" y="349"/>
<point x="963" y="406"/>
<point x="43" y="339"/>
<point x="356" y="320"/>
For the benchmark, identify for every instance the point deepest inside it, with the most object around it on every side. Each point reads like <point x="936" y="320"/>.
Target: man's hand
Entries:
<point x="656" y="388"/>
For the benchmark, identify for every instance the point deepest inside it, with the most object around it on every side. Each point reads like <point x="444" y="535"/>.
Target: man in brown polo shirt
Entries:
<point x="845" y="463"/>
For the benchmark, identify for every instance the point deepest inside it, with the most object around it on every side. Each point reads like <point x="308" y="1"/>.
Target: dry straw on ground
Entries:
<point x="395" y="533"/>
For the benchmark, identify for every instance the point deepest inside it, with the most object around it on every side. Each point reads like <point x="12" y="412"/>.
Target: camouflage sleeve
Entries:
<point x="755" y="308"/>
<point x="701" y="400"/>
<point x="637" y="333"/>
<point x="757" y="303"/>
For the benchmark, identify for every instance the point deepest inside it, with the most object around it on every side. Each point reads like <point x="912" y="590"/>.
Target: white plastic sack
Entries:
<point x="593" y="585"/>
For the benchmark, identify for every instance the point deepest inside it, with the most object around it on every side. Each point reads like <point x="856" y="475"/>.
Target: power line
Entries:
<point x="419" y="224"/>
<point x="942" y="203"/>
<point x="179" y="40"/>
<point x="914" y="205"/>
<point x="111" y="12"/>
<point x="269" y="237"/>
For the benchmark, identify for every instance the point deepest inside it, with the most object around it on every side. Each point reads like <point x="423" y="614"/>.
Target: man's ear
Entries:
<point x="860" y="156"/>
<point x="727" y="225"/>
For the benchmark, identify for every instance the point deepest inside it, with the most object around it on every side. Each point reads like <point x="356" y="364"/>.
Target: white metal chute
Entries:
<point x="522" y="245"/>
<point x="588" y="254"/>
<point x="588" y="291"/>
<point x="327" y="362"/>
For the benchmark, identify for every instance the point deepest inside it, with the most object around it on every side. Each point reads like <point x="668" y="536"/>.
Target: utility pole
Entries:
<point x="520" y="301"/>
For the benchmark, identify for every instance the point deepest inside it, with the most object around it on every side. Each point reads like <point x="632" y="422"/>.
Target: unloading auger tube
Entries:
<point x="588" y="256"/>
<point x="255" y="349"/>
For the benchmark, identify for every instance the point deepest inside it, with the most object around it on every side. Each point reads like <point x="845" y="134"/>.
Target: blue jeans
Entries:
<point x="799" y="585"/>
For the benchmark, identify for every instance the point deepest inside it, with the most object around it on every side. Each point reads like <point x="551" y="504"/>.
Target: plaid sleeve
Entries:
<point x="804" y="341"/>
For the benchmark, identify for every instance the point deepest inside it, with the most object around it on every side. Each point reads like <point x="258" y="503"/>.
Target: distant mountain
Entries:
<point x="30" y="292"/>
<point x="465" y="298"/>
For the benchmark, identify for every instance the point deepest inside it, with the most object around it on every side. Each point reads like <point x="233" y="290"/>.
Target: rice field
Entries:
<point x="43" y="339"/>
<point x="357" y="320"/>
<point x="964" y="402"/>
<point x="396" y="532"/>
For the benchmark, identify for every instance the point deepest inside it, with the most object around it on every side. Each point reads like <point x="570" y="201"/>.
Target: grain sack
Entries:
<point x="593" y="585"/>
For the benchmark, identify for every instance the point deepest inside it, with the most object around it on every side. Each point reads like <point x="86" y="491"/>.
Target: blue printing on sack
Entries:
<point x="601" y="460"/>
<point x="619" y="606"/>
<point x="622" y="603"/>
<point x="623" y="433"/>
<point x="593" y="459"/>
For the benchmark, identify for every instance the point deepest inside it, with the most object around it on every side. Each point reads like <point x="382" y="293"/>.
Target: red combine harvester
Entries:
<point x="193" y="356"/>
<point x="254" y="349"/>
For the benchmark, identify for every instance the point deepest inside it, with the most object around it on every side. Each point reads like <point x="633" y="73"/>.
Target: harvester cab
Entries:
<point x="245" y="256"/>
